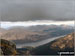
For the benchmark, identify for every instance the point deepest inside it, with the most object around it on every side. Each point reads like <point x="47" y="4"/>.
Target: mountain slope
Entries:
<point x="64" y="44"/>
<point x="20" y="34"/>
<point x="2" y="31"/>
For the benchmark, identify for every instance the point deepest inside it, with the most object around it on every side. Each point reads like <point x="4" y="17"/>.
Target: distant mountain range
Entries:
<point x="21" y="34"/>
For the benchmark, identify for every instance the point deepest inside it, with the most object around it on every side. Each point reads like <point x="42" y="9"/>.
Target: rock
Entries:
<point x="8" y="47"/>
<point x="1" y="52"/>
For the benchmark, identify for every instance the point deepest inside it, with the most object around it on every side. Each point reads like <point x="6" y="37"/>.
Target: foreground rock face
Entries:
<point x="7" y="47"/>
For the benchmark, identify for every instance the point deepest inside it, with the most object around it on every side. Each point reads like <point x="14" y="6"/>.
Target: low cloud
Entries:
<point x="30" y="10"/>
<point x="34" y="23"/>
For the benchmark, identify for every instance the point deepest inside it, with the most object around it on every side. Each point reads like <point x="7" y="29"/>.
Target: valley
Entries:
<point x="21" y="35"/>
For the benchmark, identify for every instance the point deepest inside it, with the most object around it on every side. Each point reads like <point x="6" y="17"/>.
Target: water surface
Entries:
<point x="35" y="44"/>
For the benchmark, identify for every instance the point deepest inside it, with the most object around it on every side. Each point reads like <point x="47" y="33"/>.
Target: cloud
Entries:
<point x="26" y="10"/>
<point x="33" y="23"/>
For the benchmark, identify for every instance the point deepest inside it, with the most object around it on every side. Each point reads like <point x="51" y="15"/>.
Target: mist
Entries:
<point x="35" y="23"/>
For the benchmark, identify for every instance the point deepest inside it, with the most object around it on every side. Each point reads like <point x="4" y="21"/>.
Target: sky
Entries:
<point x="34" y="23"/>
<point x="36" y="12"/>
<point x="31" y="10"/>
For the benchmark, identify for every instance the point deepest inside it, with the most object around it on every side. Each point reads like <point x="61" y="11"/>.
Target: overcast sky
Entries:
<point x="30" y="10"/>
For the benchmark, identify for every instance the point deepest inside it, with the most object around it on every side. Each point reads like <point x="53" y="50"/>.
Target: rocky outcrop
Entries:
<point x="7" y="47"/>
<point x="63" y="43"/>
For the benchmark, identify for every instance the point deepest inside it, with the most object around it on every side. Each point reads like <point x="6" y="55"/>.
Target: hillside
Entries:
<point x="2" y="31"/>
<point x="64" y="44"/>
<point x="21" y="35"/>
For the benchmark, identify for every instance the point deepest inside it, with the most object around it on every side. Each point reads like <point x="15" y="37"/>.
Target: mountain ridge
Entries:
<point x="34" y="33"/>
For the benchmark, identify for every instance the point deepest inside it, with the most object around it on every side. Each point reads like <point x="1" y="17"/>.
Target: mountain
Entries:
<point x="20" y="34"/>
<point x="45" y="27"/>
<point x="64" y="44"/>
<point x="42" y="27"/>
<point x="2" y="31"/>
